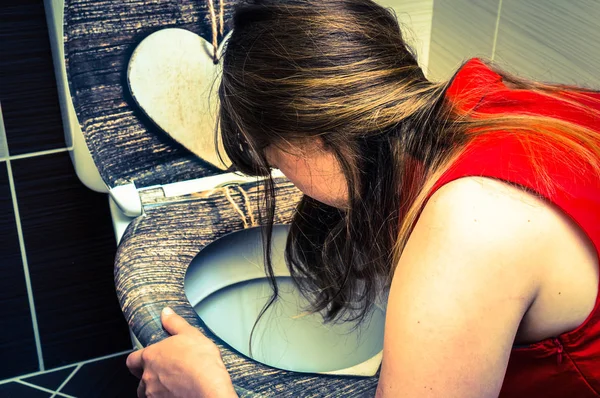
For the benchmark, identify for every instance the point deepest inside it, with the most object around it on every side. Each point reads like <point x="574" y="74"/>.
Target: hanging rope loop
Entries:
<point x="217" y="27"/>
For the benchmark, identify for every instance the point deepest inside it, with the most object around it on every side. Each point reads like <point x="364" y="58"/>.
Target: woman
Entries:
<point x="476" y="201"/>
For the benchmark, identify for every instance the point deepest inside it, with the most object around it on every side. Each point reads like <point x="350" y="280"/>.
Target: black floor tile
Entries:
<point x="70" y="250"/>
<point x="17" y="390"/>
<point x="17" y="344"/>
<point x="107" y="378"/>
<point x="50" y="379"/>
<point x="32" y="117"/>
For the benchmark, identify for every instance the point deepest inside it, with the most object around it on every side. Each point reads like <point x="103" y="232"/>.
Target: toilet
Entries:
<point x="187" y="228"/>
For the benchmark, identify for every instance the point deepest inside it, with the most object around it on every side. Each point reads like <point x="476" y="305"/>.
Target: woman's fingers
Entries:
<point x="174" y="324"/>
<point x="141" y="390"/>
<point x="135" y="363"/>
<point x="172" y="365"/>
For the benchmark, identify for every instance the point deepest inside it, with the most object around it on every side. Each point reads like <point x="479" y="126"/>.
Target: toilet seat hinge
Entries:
<point x="127" y="198"/>
<point x="132" y="200"/>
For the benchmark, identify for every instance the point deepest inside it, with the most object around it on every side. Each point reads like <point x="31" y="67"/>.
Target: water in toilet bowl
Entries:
<point x="226" y="284"/>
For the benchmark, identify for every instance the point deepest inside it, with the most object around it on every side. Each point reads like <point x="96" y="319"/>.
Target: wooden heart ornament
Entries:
<point x="173" y="79"/>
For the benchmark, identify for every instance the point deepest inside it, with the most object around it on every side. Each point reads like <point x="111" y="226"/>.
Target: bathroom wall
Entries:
<point x="547" y="40"/>
<point x="415" y="18"/>
<point x="56" y="239"/>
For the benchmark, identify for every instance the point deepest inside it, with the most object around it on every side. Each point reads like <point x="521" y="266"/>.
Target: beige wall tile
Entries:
<point x="551" y="40"/>
<point x="415" y="18"/>
<point x="461" y="29"/>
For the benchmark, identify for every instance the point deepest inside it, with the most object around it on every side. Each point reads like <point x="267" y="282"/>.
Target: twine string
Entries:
<point x="216" y="28"/>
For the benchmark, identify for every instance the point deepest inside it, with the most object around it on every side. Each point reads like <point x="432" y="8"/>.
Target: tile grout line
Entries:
<point x="3" y="139"/>
<point x="69" y="377"/>
<point x="496" y="30"/>
<point x="28" y="155"/>
<point x="13" y="193"/>
<point x="39" y="153"/>
<point x="17" y="378"/>
<point x="36" y="387"/>
<point x="36" y="332"/>
<point x="430" y="33"/>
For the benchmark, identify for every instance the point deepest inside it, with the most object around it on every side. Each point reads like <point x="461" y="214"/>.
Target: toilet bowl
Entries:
<point x="187" y="230"/>
<point x="227" y="286"/>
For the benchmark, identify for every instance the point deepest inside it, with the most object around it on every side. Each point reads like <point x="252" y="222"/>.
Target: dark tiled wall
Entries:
<point x="27" y="73"/>
<point x="64" y="228"/>
<point x="17" y="339"/>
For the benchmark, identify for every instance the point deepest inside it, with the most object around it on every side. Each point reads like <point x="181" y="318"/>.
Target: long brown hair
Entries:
<point x="340" y="70"/>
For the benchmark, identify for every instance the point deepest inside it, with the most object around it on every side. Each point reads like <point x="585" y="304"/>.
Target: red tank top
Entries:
<point x="569" y="364"/>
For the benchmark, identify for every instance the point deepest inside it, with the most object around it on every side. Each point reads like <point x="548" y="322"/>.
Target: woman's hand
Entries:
<point x="187" y="364"/>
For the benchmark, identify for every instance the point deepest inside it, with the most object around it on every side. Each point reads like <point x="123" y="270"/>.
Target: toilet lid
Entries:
<point x="125" y="144"/>
<point x="172" y="77"/>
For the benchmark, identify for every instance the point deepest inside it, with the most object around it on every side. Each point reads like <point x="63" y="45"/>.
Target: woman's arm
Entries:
<point x="466" y="278"/>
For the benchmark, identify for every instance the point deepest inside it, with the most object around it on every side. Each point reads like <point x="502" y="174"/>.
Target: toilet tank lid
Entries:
<point x="125" y="144"/>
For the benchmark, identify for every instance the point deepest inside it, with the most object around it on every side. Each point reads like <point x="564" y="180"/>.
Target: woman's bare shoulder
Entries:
<point x="500" y="208"/>
<point x="488" y="218"/>
<point x="485" y="193"/>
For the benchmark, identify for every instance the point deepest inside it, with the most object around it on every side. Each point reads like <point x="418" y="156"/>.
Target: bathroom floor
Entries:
<point x="106" y="377"/>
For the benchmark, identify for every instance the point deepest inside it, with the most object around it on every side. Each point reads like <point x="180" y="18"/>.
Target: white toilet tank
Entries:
<point x="84" y="165"/>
